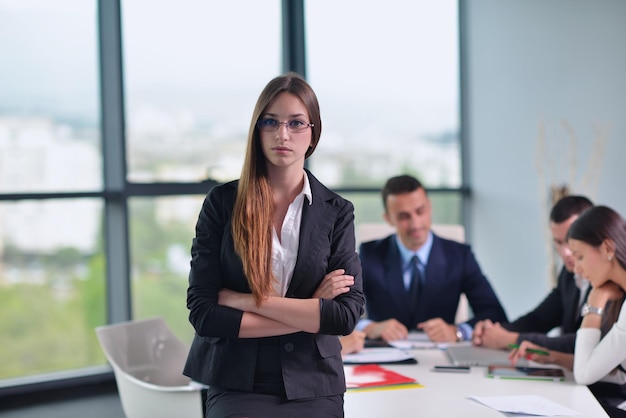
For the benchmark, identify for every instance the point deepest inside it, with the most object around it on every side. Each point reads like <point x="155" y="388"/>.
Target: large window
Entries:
<point x="52" y="264"/>
<point x="161" y="230"/>
<point x="98" y="202"/>
<point x="193" y="70"/>
<point x="49" y="114"/>
<point x="387" y="78"/>
<point x="52" y="285"/>
<point x="190" y="92"/>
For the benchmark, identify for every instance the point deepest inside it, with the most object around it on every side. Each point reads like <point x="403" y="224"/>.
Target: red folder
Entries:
<point x="372" y="375"/>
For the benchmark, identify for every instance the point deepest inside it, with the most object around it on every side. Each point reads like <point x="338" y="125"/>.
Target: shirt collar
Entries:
<point x="306" y="189"/>
<point x="422" y="253"/>
<point x="581" y="282"/>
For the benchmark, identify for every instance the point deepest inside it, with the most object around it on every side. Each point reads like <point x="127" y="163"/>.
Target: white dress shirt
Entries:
<point x="285" y="249"/>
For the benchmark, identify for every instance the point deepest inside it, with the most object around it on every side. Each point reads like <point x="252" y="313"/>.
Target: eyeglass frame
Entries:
<point x="278" y="123"/>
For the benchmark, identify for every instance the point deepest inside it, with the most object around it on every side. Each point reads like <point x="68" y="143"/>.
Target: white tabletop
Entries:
<point x="446" y="394"/>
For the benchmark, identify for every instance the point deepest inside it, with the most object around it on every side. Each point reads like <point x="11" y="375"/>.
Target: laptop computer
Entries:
<point x="469" y="355"/>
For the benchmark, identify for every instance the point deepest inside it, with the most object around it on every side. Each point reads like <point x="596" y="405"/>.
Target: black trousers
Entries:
<point x="609" y="395"/>
<point x="222" y="403"/>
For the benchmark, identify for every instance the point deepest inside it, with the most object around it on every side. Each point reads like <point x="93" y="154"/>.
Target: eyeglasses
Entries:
<point x="271" y="125"/>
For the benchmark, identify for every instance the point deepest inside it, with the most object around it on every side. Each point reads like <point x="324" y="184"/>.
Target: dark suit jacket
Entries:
<point x="310" y="363"/>
<point x="559" y="309"/>
<point x="450" y="271"/>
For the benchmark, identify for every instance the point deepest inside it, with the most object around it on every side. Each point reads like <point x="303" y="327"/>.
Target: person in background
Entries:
<point x="598" y="242"/>
<point x="264" y="344"/>
<point x="413" y="279"/>
<point x="561" y="308"/>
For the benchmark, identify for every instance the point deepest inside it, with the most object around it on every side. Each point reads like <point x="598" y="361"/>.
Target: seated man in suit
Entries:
<point x="561" y="308"/>
<point x="413" y="279"/>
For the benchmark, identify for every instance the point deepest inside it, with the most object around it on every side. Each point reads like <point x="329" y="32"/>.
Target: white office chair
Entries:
<point x="371" y="231"/>
<point x="148" y="359"/>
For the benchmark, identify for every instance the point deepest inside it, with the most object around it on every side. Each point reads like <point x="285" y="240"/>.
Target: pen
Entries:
<point x="531" y="350"/>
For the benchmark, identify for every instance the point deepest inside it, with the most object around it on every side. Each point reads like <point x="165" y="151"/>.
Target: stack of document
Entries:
<point x="416" y="340"/>
<point x="380" y="355"/>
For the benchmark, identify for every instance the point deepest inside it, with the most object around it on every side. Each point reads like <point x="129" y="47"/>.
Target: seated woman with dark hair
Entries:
<point x="598" y="242"/>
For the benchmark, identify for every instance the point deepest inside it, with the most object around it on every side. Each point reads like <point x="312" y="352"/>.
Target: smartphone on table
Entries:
<point x="451" y="369"/>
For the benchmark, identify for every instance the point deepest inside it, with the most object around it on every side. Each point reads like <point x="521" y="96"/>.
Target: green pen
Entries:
<point x="531" y="350"/>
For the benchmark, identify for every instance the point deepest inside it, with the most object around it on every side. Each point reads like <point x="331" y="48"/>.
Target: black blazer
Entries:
<point x="559" y="309"/>
<point x="451" y="270"/>
<point x="311" y="363"/>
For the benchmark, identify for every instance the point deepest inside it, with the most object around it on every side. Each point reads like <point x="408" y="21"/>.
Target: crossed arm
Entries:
<point x="278" y="315"/>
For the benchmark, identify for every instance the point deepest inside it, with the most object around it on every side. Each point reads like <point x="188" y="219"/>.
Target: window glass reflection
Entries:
<point x="190" y="89"/>
<point x="161" y="230"/>
<point x="49" y="112"/>
<point x="387" y="81"/>
<point x="52" y="286"/>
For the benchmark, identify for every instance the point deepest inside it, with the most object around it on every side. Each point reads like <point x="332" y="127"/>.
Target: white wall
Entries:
<point x="533" y="62"/>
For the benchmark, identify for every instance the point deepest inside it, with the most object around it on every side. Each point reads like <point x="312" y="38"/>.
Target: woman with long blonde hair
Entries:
<point x="275" y="277"/>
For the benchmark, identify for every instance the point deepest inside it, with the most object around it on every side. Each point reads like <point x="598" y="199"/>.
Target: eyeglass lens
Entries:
<point x="271" y="125"/>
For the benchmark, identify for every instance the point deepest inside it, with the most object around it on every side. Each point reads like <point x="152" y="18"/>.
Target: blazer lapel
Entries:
<point x="435" y="264"/>
<point x="394" y="280"/>
<point x="393" y="272"/>
<point x="317" y="222"/>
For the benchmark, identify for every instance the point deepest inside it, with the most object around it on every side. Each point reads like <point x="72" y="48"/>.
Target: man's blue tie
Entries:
<point x="416" y="279"/>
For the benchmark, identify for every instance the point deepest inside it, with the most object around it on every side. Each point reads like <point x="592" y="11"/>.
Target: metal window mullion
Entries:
<point x="114" y="162"/>
<point x="294" y="45"/>
<point x="463" y="120"/>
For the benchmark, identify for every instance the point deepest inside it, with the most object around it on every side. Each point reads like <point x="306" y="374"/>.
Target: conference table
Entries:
<point x="447" y="394"/>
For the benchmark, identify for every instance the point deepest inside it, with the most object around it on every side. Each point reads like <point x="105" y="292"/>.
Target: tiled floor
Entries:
<point x="97" y="406"/>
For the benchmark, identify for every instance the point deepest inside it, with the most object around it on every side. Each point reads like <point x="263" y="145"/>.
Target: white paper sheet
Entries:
<point x="377" y="355"/>
<point x="416" y="340"/>
<point x="525" y="404"/>
<point x="408" y="345"/>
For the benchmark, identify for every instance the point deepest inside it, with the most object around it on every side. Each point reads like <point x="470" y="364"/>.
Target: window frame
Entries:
<point x="117" y="191"/>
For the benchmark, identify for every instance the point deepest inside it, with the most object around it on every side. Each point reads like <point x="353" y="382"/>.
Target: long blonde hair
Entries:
<point x="254" y="206"/>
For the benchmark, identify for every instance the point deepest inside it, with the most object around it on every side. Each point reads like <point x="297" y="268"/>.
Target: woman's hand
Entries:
<point x="334" y="284"/>
<point x="536" y="353"/>
<point x="523" y="352"/>
<point x="599" y="296"/>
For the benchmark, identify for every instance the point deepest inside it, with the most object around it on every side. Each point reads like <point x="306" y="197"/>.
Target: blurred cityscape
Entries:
<point x="43" y="154"/>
